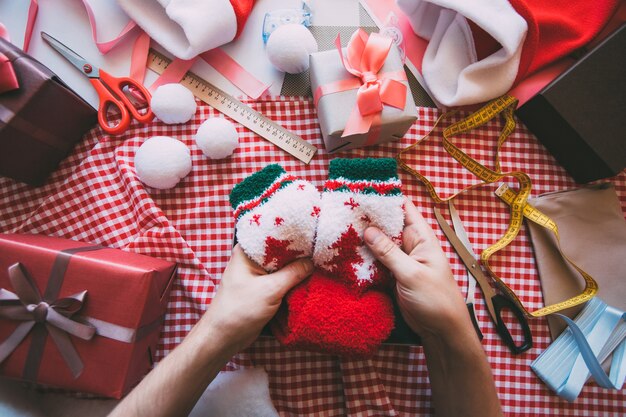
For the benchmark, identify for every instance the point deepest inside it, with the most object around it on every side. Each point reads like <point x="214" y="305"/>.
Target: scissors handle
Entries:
<point x="110" y="90"/>
<point x="501" y="302"/>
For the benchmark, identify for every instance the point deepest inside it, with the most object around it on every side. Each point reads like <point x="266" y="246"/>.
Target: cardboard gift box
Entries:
<point x="580" y="116"/>
<point x="55" y="292"/>
<point x="40" y="121"/>
<point x="334" y="108"/>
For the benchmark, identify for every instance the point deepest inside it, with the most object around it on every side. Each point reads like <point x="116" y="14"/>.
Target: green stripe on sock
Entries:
<point x="379" y="169"/>
<point x="254" y="185"/>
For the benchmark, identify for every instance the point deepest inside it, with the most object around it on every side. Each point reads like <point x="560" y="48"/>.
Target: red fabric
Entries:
<point x="242" y="10"/>
<point x="555" y="29"/>
<point x="558" y="28"/>
<point x="327" y="315"/>
<point x="95" y="196"/>
<point x="123" y="288"/>
<point x="277" y="251"/>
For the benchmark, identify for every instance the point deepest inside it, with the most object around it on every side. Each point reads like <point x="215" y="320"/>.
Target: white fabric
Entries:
<point x="450" y="66"/>
<point x="185" y="28"/>
<point x="384" y="212"/>
<point x="242" y="393"/>
<point x="287" y="215"/>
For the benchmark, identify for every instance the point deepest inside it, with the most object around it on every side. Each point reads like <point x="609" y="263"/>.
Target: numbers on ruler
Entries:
<point x="238" y="111"/>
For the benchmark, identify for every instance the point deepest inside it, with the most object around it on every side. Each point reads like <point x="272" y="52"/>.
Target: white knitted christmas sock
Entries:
<point x="359" y="193"/>
<point x="276" y="216"/>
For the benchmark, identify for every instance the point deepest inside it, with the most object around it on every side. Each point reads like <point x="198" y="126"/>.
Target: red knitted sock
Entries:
<point x="344" y="307"/>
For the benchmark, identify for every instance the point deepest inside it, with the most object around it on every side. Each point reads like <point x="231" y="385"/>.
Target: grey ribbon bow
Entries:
<point x="27" y="305"/>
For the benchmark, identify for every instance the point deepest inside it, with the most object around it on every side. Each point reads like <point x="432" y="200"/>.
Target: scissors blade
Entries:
<point x="462" y="234"/>
<point x="470" y="263"/>
<point x="76" y="60"/>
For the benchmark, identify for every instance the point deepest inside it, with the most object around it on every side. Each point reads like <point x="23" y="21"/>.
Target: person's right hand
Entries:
<point x="427" y="294"/>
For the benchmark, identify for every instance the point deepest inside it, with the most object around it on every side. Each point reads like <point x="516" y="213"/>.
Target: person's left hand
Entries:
<point x="248" y="297"/>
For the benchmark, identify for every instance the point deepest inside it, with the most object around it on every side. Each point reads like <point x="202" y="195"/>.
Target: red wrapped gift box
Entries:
<point x="43" y="280"/>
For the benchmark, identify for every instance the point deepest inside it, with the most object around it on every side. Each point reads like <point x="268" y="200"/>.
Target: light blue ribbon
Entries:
<point x="579" y="351"/>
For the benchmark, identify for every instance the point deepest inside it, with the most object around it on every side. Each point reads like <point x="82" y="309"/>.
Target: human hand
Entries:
<point x="427" y="294"/>
<point x="248" y="297"/>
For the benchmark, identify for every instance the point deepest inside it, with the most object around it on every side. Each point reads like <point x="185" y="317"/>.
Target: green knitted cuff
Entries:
<point x="255" y="185"/>
<point x="368" y="169"/>
<point x="365" y="176"/>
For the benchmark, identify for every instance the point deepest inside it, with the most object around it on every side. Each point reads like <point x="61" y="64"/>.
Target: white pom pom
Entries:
<point x="173" y="103"/>
<point x="161" y="162"/>
<point x="217" y="138"/>
<point x="289" y="47"/>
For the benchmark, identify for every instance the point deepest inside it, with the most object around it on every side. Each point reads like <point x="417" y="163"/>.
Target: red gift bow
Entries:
<point x="366" y="55"/>
<point x="27" y="305"/>
<point x="8" y="79"/>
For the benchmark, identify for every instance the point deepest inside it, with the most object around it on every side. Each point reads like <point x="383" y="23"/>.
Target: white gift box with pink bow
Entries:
<point x="361" y="93"/>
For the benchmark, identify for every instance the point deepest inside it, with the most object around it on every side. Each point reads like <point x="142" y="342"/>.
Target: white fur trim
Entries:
<point x="185" y="28"/>
<point x="291" y="204"/>
<point x="384" y="212"/>
<point x="450" y="67"/>
<point x="244" y="392"/>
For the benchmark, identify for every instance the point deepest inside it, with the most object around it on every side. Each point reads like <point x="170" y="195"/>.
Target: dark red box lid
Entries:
<point x="40" y="121"/>
<point x="580" y="116"/>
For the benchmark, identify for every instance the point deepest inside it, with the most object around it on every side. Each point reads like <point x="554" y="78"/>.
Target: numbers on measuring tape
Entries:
<point x="518" y="201"/>
<point x="230" y="106"/>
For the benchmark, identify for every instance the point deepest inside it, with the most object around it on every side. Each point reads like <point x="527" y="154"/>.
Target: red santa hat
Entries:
<point x="478" y="49"/>
<point x="187" y="28"/>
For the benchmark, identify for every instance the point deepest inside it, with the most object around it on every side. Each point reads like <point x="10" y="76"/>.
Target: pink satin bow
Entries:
<point x="8" y="79"/>
<point x="365" y="56"/>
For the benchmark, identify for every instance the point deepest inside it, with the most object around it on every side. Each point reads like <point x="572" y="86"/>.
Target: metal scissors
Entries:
<point x="471" y="281"/>
<point x="495" y="302"/>
<point x="113" y="92"/>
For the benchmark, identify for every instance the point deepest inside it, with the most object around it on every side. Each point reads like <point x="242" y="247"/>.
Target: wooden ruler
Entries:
<point x="242" y="113"/>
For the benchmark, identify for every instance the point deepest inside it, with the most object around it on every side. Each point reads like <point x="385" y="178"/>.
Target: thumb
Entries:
<point x="290" y="275"/>
<point x="387" y="252"/>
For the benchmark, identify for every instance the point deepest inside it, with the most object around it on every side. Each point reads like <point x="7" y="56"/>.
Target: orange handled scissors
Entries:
<point x="113" y="92"/>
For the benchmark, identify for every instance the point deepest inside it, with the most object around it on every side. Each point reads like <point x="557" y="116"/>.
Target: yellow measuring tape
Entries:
<point x="517" y="201"/>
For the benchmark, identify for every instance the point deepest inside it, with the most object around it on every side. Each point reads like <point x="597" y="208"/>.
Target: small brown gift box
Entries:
<point x="121" y="295"/>
<point x="333" y="110"/>
<point x="40" y="121"/>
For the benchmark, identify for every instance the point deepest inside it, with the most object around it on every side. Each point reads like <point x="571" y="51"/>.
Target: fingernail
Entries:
<point x="372" y="234"/>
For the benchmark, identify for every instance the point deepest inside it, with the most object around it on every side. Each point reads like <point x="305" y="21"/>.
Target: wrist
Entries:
<point x="458" y="336"/>
<point x="215" y="339"/>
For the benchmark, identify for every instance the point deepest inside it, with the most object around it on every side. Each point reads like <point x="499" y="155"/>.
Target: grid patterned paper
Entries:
<point x="96" y="197"/>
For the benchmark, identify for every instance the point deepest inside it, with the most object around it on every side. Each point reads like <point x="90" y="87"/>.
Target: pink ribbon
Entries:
<point x="365" y="56"/>
<point x="217" y="58"/>
<point x="8" y="79"/>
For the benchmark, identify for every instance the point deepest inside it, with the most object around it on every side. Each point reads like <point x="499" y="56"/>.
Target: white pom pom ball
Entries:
<point x="173" y="103"/>
<point x="289" y="46"/>
<point x="217" y="138"/>
<point x="161" y="162"/>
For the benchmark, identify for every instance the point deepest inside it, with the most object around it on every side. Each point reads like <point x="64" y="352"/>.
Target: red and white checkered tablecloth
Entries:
<point x="95" y="196"/>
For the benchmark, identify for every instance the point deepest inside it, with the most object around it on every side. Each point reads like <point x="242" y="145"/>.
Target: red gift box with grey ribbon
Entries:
<point x="361" y="93"/>
<point x="79" y="316"/>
